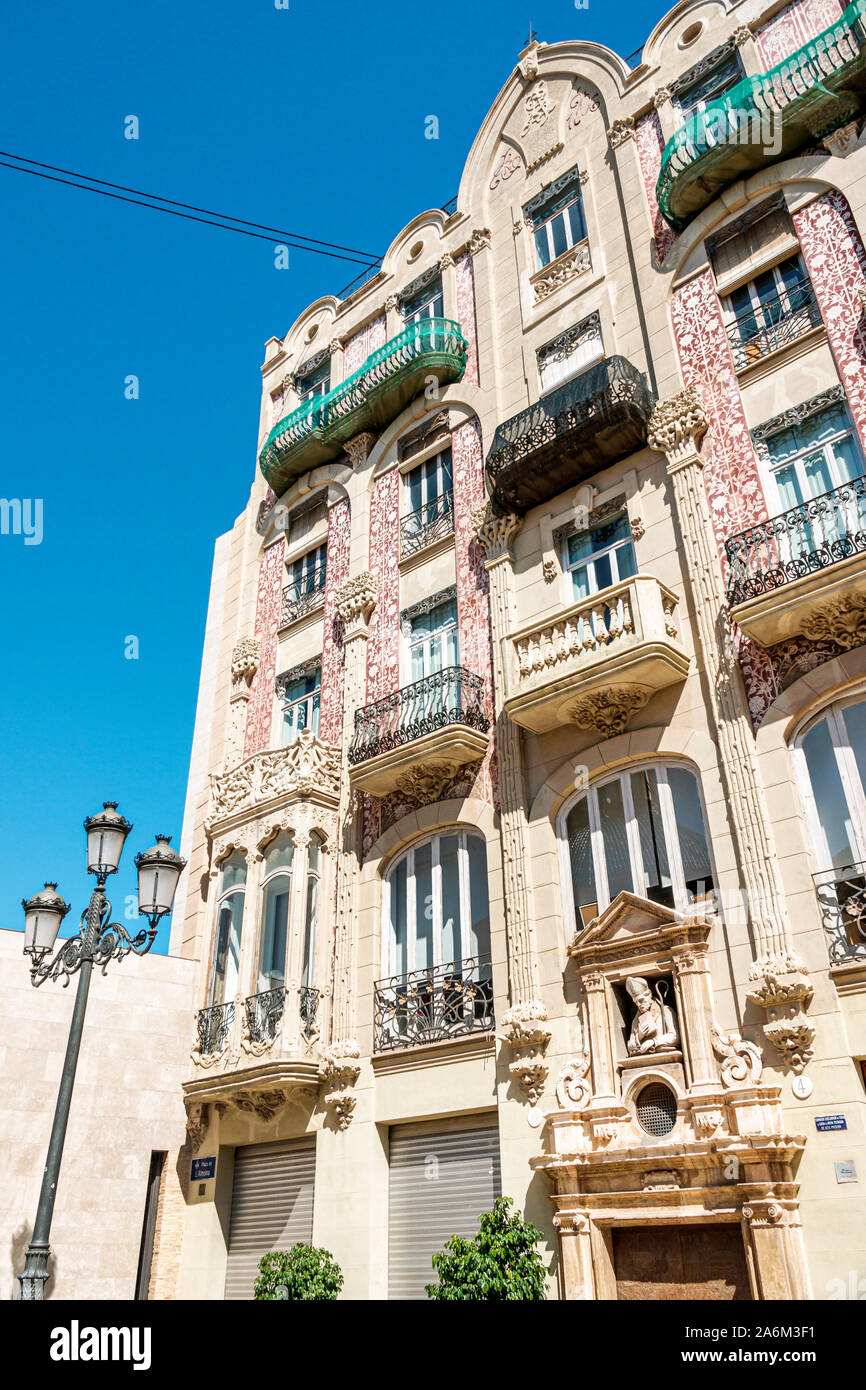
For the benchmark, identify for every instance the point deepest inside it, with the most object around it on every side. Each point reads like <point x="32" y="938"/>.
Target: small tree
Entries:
<point x="304" y="1272"/>
<point x="499" y="1264"/>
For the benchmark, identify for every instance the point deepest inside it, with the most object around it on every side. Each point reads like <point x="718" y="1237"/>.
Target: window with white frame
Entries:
<point x="641" y="831"/>
<point x="692" y="94"/>
<point x="425" y="302"/>
<point x="830" y="762"/>
<point x="776" y="307"/>
<point x="433" y="640"/>
<point x="436" y="909"/>
<point x="570" y="352"/>
<point x="301" y="698"/>
<point x="557" y="219"/>
<point x="817" y="454"/>
<point x="274" y="920"/>
<point x="307" y="574"/>
<point x="230" y="916"/>
<point x="313" y="378"/>
<point x="600" y="555"/>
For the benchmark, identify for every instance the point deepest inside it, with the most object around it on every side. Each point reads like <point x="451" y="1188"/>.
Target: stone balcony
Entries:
<point x="374" y="395"/>
<point x="765" y="118"/>
<point x="421" y="735"/>
<point x="599" y="661"/>
<point x="306" y="770"/>
<point x="590" y="422"/>
<point x="803" y="573"/>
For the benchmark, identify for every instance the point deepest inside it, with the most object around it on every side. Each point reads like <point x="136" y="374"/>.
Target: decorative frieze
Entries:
<point x="302" y="769"/>
<point x="567" y="267"/>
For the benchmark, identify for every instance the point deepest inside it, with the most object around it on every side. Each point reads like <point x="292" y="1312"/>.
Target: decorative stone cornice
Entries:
<point x="608" y="711"/>
<point x="358" y="449"/>
<point x="355" y="598"/>
<point x="493" y="531"/>
<point x="678" y="424"/>
<point x="302" y="769"/>
<point x="620" y="131"/>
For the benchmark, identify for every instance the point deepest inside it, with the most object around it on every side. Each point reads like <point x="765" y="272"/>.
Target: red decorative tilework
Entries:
<point x="365" y="341"/>
<point x="465" y="276"/>
<point x="383" y="646"/>
<point x="268" y="599"/>
<point x="836" y="261"/>
<point x="792" y="27"/>
<point x="331" y="712"/>
<point x="650" y="143"/>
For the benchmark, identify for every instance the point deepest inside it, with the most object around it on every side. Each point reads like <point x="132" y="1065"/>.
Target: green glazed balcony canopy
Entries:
<point x="374" y="395"/>
<point x="765" y="117"/>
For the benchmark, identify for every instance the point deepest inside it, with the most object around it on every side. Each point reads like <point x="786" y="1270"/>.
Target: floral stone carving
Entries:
<point x="423" y="783"/>
<point x="526" y="1031"/>
<point x="573" y="1087"/>
<point x="356" y="598"/>
<point x="679" y="420"/>
<point x="608" y="711"/>
<point x="340" y="1071"/>
<point x="842" y="620"/>
<point x="304" y="768"/>
<point x="741" y="1061"/>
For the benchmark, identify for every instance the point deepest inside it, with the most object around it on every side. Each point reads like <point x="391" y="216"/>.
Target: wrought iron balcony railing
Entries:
<point x="308" y="1004"/>
<point x="427" y="524"/>
<point x="802" y="541"/>
<point x="773" y="324"/>
<point x="452" y="696"/>
<point x="588" y="423"/>
<point x="765" y="118"/>
<point x="213" y="1027"/>
<point x="303" y="596"/>
<point x="842" y="900"/>
<point x="265" y="1010"/>
<point x="428" y="1006"/>
<point x="369" y="399"/>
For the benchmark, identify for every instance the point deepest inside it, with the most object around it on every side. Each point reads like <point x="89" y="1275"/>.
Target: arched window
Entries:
<point x="830" y="758"/>
<point x="642" y="831"/>
<point x="314" y="874"/>
<point x="230" y="914"/>
<point x="436" y="908"/>
<point x="276" y="894"/>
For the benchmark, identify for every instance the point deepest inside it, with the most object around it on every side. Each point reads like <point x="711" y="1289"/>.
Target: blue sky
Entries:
<point x="232" y="115"/>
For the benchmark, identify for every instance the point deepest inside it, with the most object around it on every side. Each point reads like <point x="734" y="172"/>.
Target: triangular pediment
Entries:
<point x="632" y="921"/>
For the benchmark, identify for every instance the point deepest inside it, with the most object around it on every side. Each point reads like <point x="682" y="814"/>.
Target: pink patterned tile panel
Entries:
<point x="331" y="712"/>
<point x="383" y="646"/>
<point x="792" y="27"/>
<point x="365" y="341"/>
<point x="268" y="601"/>
<point x="465" y="276"/>
<point x="650" y="143"/>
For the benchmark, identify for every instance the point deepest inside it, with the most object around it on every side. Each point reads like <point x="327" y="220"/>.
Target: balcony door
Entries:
<point x="813" y="464"/>
<point x="230" y="916"/>
<point x="830" y="757"/>
<point x="600" y="556"/>
<point x="276" y="896"/>
<point x="433" y="649"/>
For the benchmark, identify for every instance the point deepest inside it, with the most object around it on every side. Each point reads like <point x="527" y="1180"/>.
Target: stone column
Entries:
<point x="525" y="1024"/>
<point x="604" y="1089"/>
<point x="693" y="981"/>
<point x="575" y="1255"/>
<point x="779" y="982"/>
<point x="245" y="663"/>
<point x="354" y="602"/>
<point x="776" y="1251"/>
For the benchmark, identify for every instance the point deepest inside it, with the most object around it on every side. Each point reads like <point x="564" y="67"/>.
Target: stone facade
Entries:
<point x="706" y="985"/>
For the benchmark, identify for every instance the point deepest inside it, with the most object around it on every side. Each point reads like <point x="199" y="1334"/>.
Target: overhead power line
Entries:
<point x="260" y="230"/>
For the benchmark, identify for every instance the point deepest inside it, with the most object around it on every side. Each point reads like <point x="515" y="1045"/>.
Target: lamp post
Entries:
<point x="98" y="941"/>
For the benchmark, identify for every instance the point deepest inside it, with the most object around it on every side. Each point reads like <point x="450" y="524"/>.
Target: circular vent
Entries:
<point x="656" y="1109"/>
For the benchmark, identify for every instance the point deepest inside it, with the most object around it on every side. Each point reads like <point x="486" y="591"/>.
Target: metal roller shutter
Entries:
<point x="442" y="1177"/>
<point x="272" y="1206"/>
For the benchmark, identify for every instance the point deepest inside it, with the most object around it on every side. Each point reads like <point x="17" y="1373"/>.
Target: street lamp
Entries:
<point x="98" y="941"/>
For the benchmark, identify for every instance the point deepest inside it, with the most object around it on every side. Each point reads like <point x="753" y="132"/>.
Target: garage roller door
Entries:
<point x="272" y="1206"/>
<point x="442" y="1177"/>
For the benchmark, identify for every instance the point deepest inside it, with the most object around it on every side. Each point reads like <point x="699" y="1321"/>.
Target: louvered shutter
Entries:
<point x="272" y="1206"/>
<point x="442" y="1177"/>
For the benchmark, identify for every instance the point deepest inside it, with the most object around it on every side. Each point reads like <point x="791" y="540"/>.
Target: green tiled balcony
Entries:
<point x="369" y="399"/>
<point x="818" y="88"/>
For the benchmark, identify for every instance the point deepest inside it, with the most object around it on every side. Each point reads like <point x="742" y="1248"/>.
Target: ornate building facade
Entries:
<point x="526" y="820"/>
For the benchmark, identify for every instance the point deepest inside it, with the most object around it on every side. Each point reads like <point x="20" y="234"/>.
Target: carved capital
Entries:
<point x="355" y="599"/>
<point x="678" y="424"/>
<point x="550" y="570"/>
<point x="335" y="346"/>
<point x="245" y="663"/>
<point x="494" y="532"/>
<point x="608" y="711"/>
<point x="479" y="240"/>
<point x="525" y="1025"/>
<point x="661" y="96"/>
<point x="197" y="1123"/>
<point x="446" y="261"/>
<point x="358" y="449"/>
<point x="742" y="35"/>
<point x="340" y="1070"/>
<point x="621" y="131"/>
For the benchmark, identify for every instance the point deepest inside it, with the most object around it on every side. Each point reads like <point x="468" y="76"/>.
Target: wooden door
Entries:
<point x="680" y="1262"/>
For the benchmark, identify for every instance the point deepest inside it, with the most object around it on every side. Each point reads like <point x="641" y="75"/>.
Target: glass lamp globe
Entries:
<point x="106" y="833"/>
<point x="159" y="869"/>
<point x="43" y="914"/>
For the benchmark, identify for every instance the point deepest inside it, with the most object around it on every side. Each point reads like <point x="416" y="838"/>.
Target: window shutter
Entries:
<point x="762" y="241"/>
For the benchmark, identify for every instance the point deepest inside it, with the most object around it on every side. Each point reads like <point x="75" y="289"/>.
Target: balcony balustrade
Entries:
<point x="303" y="596"/>
<point x="842" y="899"/>
<point x="598" y="418"/>
<point x="430" y="728"/>
<point x="433" y="1005"/>
<point x="426" y="525"/>
<point x="774" y="324"/>
<point x="374" y="395"/>
<point x="598" y="661"/>
<point x="264" y="1013"/>
<point x="765" y="118"/>
<point x="213" y="1028"/>
<point x="787" y="575"/>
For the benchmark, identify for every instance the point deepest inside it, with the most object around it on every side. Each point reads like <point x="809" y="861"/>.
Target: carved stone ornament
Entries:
<point x="358" y="449"/>
<point x="538" y="106"/>
<point x="509" y="163"/>
<point x="446" y="261"/>
<point x="335" y="346"/>
<point x="530" y="1073"/>
<point x="661" y="97"/>
<point x="792" y="1038"/>
<point x="479" y="240"/>
<point x="423" y="783"/>
<point x="340" y="1070"/>
<point x="197" y="1123"/>
<point x="550" y="570"/>
<point x="573" y="1089"/>
<point x="638" y="529"/>
<point x="742" y="35"/>
<point x="525" y="1025"/>
<point x="679" y="421"/>
<point x="608" y="711"/>
<point x="264" y="1104"/>
<point x="392" y="303"/>
<point x="572" y="263"/>
<point x="654" y="1025"/>
<point x="528" y="65"/>
<point x="303" y="768"/>
<point x="245" y="661"/>
<point x="620" y="131"/>
<point x="356" y="598"/>
<point x="741" y="1061"/>
<point x="492" y="531"/>
<point x="842" y="620"/>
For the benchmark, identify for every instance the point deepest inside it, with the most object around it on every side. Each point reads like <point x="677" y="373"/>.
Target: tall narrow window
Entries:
<point x="557" y="219"/>
<point x="230" y="916"/>
<point x="313" y="378"/>
<point x="301" y="698"/>
<point x="306" y="587"/>
<point x="430" y="497"/>
<point x="426" y="302"/>
<point x="775" y="308"/>
<point x="314" y="874"/>
<point x="600" y="555"/>
<point x="693" y="94"/>
<point x="433" y="640"/>
<point x="831" y="761"/>
<point x="274" y="924"/>
<point x="640" y="832"/>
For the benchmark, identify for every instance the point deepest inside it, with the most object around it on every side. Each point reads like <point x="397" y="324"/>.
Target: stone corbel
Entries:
<point x="607" y="712"/>
<point x="339" y="1071"/>
<point x="354" y="601"/>
<point x="494" y="532"/>
<point x="784" y="990"/>
<point x="358" y="449"/>
<point x="621" y="131"/>
<point x="197" y="1123"/>
<point x="526" y="1032"/>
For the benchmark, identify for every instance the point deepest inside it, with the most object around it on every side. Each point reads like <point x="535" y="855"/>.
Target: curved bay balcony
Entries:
<point x="433" y="1005"/>
<point x="765" y="118"/>
<point x="421" y="735"/>
<point x="588" y="423"/>
<point x="803" y="572"/>
<point x="599" y="661"/>
<point x="374" y="395"/>
<point x="256" y="1052"/>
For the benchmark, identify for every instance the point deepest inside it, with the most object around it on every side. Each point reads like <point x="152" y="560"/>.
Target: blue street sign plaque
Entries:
<point x="202" y="1168"/>
<point x="827" y="1122"/>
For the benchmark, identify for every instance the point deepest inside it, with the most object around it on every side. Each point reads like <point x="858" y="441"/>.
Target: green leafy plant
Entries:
<point x="304" y="1272"/>
<point x="499" y="1264"/>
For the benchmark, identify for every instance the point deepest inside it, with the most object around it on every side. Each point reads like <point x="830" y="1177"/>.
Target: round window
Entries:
<point x="693" y="32"/>
<point x="656" y="1109"/>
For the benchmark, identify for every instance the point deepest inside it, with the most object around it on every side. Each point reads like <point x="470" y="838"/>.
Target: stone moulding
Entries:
<point x="306" y="768"/>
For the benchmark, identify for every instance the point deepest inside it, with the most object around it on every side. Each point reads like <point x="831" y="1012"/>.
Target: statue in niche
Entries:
<point x="654" y="1026"/>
